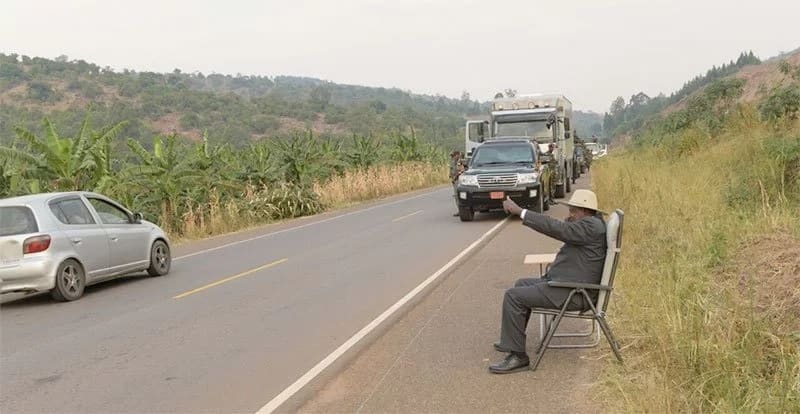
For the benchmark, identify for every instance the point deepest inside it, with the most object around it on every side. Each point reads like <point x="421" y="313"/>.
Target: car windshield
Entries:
<point x="17" y="220"/>
<point x="534" y="129"/>
<point x="503" y="154"/>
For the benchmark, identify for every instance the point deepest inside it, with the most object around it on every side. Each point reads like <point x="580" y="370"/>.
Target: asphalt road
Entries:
<point x="229" y="328"/>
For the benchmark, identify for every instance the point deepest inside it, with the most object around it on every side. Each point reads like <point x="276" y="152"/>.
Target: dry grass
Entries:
<point x="253" y="209"/>
<point x="698" y="341"/>
<point x="380" y="181"/>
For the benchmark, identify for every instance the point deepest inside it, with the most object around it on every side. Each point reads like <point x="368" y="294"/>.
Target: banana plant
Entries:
<point x="64" y="163"/>
<point x="407" y="148"/>
<point x="299" y="159"/>
<point x="258" y="164"/>
<point x="166" y="176"/>
<point x="365" y="152"/>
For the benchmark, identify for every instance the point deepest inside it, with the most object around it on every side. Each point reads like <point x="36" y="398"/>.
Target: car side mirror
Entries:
<point x="137" y="218"/>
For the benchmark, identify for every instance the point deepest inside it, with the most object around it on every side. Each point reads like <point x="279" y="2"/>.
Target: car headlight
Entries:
<point x="528" y="178"/>
<point x="468" y="179"/>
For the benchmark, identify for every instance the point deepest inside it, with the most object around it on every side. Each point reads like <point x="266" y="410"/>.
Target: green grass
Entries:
<point x="697" y="337"/>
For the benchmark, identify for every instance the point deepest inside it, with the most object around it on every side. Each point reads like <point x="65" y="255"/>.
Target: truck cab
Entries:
<point x="542" y="119"/>
<point x="507" y="167"/>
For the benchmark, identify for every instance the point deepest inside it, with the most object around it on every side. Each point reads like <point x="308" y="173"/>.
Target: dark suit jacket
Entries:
<point x="582" y="256"/>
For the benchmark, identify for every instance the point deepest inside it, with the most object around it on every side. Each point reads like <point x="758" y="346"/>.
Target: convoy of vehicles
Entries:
<point x="544" y="119"/>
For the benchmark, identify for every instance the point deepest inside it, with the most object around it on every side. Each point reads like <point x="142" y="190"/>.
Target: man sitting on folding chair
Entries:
<point x="580" y="259"/>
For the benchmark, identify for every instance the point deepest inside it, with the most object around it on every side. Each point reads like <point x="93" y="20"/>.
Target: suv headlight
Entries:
<point x="464" y="179"/>
<point x="528" y="178"/>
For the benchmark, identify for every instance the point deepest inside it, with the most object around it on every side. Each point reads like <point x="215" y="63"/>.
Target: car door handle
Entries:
<point x="76" y="240"/>
<point x="114" y="238"/>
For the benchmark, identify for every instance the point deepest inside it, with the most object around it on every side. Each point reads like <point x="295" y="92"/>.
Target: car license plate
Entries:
<point x="496" y="195"/>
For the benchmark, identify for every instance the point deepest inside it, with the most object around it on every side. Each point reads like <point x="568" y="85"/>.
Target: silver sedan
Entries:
<point x="62" y="242"/>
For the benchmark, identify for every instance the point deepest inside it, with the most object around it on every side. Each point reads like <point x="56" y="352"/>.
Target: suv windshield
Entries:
<point x="503" y="154"/>
<point x="17" y="220"/>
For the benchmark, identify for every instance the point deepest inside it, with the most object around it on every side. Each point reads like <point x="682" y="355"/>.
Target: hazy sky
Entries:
<point x="591" y="50"/>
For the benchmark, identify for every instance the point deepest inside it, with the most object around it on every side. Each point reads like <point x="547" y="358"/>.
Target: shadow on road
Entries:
<point x="18" y="301"/>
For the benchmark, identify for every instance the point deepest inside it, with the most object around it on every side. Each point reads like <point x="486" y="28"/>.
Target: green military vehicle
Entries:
<point x="507" y="167"/>
<point x="542" y="118"/>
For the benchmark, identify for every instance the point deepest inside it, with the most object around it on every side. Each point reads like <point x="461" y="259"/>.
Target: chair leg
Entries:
<point x="550" y="332"/>
<point x="601" y="319"/>
<point x="544" y="328"/>
<point x="610" y="337"/>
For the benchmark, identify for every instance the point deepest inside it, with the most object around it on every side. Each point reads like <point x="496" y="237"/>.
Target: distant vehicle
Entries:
<point x="499" y="168"/>
<point x="62" y="242"/>
<point x="543" y="118"/>
<point x="598" y="150"/>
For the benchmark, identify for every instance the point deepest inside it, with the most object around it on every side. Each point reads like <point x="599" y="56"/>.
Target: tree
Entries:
<point x="40" y="91"/>
<point x="617" y="106"/>
<point x="640" y="99"/>
<point x="465" y="96"/>
<point x="320" y="97"/>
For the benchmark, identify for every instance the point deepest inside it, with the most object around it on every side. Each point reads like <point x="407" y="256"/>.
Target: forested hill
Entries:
<point x="746" y="79"/>
<point x="233" y="109"/>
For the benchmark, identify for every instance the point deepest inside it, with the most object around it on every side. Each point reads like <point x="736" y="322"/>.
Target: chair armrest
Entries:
<point x="575" y="285"/>
<point x="545" y="258"/>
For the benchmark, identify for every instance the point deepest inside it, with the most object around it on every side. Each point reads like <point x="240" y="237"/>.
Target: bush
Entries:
<point x="41" y="92"/>
<point x="784" y="102"/>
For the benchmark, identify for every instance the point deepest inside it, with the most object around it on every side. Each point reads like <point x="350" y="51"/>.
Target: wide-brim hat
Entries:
<point x="583" y="199"/>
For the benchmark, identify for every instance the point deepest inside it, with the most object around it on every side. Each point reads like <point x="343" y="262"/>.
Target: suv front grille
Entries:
<point x="497" y="180"/>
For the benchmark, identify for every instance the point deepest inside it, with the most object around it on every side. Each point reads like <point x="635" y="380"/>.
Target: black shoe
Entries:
<point x="499" y="348"/>
<point x="512" y="363"/>
<point x="455" y="215"/>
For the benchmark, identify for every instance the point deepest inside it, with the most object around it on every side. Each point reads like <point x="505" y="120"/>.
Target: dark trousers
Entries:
<point x="527" y="293"/>
<point x="530" y="293"/>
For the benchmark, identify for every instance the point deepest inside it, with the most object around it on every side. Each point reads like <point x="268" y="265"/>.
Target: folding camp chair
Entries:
<point x="597" y="309"/>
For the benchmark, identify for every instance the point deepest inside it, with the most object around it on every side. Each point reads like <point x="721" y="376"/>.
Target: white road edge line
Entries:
<point x="281" y="398"/>
<point x="301" y="226"/>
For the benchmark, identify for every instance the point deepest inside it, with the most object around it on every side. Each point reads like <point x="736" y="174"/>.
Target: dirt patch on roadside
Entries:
<point x="769" y="272"/>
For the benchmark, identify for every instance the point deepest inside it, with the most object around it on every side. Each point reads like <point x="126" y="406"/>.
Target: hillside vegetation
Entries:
<point x="232" y="109"/>
<point x="707" y="301"/>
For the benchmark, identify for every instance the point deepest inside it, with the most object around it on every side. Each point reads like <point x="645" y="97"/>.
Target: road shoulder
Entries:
<point x="435" y="358"/>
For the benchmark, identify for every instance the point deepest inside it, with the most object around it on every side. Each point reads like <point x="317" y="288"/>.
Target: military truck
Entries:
<point x="508" y="167"/>
<point x="543" y="119"/>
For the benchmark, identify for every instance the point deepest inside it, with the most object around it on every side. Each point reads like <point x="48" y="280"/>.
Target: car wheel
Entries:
<point x="70" y="281"/>
<point x="160" y="259"/>
<point x="466" y="213"/>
